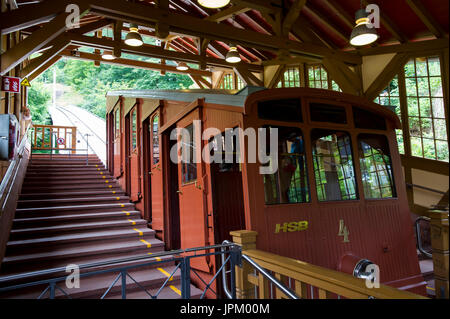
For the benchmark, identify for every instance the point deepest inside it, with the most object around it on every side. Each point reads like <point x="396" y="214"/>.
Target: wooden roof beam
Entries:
<point x="37" y="40"/>
<point x="134" y="63"/>
<point x="156" y="52"/>
<point x="326" y="23"/>
<point x="187" y="25"/>
<point x="426" y="18"/>
<point x="30" y="15"/>
<point x="227" y="13"/>
<point x="35" y="64"/>
<point x="291" y="17"/>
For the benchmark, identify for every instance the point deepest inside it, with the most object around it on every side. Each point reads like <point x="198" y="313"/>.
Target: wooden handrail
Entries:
<point x="45" y="132"/>
<point x="326" y="280"/>
<point x="304" y="278"/>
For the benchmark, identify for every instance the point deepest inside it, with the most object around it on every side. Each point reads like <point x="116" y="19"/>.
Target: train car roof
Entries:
<point x="226" y="97"/>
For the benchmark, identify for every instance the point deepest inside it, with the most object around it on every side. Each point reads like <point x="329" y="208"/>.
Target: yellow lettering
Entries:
<point x="292" y="226"/>
<point x="303" y="225"/>
<point x="278" y="227"/>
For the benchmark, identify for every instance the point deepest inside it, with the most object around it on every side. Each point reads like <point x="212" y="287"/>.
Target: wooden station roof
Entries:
<point x="267" y="32"/>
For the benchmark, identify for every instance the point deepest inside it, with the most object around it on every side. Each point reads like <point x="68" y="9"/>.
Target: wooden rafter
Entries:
<point x="293" y="13"/>
<point x="392" y="68"/>
<point x="183" y="24"/>
<point x="157" y="52"/>
<point x="426" y="18"/>
<point x="227" y="13"/>
<point x="248" y="77"/>
<point x="38" y="39"/>
<point x="134" y="63"/>
<point x="58" y="45"/>
<point x="347" y="79"/>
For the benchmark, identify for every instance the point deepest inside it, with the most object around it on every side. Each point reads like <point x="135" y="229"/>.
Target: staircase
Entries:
<point x="72" y="213"/>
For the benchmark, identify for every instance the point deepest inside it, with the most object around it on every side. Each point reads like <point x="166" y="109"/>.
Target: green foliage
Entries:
<point x="38" y="99"/>
<point x="92" y="82"/>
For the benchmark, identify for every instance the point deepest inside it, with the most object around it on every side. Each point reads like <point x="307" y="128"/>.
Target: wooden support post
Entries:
<point x="439" y="244"/>
<point x="247" y="240"/>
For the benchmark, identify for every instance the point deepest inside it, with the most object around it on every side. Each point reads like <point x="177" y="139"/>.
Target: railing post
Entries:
<point x="74" y="140"/>
<point x="439" y="244"/>
<point x="185" y="278"/>
<point x="247" y="240"/>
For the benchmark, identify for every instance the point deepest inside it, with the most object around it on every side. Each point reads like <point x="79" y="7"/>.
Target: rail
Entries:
<point x="425" y="188"/>
<point x="182" y="258"/>
<point x="9" y="189"/>
<point x="418" y="236"/>
<point x="304" y="280"/>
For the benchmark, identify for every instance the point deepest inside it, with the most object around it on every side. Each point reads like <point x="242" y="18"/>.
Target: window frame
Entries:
<point x="153" y="164"/>
<point x="117" y="120"/>
<point x="133" y="133"/>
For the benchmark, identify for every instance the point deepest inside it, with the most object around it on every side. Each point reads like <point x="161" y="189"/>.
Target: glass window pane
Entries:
<point x="401" y="146"/>
<point x="411" y="89"/>
<point x="333" y="165"/>
<point x="429" y="149"/>
<point x="410" y="69"/>
<point x="413" y="107"/>
<point x="440" y="130"/>
<point x="376" y="167"/>
<point x="442" y="150"/>
<point x="436" y="87"/>
<point x="290" y="183"/>
<point x="425" y="107"/>
<point x="414" y="126"/>
<point x="416" y="146"/>
<point x="424" y="88"/>
<point x="188" y="162"/>
<point x="434" y="66"/>
<point x="155" y="139"/>
<point x="421" y="67"/>
<point x="438" y="108"/>
<point x="427" y="127"/>
<point x="133" y="129"/>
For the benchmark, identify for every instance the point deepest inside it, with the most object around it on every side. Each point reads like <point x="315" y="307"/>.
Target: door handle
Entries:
<point x="179" y="192"/>
<point x="150" y="173"/>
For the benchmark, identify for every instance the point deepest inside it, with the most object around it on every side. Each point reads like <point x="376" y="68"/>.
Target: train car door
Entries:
<point x="146" y="151"/>
<point x="127" y="155"/>
<point x="134" y="164"/>
<point x="172" y="236"/>
<point x="227" y="193"/>
<point x="192" y="198"/>
<point x="154" y="199"/>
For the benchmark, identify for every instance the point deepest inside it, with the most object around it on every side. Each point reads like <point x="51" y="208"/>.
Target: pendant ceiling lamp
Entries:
<point x="233" y="55"/>
<point x="182" y="66"/>
<point x="213" y="4"/>
<point x="362" y="33"/>
<point x="107" y="55"/>
<point x="133" y="38"/>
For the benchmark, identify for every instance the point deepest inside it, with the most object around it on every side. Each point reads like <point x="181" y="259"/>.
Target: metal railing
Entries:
<point x="418" y="236"/>
<point x="182" y="259"/>
<point x="231" y="294"/>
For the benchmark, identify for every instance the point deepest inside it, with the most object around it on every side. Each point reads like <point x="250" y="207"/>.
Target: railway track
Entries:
<point x="95" y="144"/>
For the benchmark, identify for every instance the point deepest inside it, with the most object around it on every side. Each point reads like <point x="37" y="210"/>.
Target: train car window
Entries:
<point x="376" y="167"/>
<point x="321" y="112"/>
<point x="290" y="183"/>
<point x="286" y="110"/>
<point x="133" y="129"/>
<point x="117" y="121"/>
<point x="368" y="120"/>
<point x="333" y="165"/>
<point x="188" y="165"/>
<point x="155" y="139"/>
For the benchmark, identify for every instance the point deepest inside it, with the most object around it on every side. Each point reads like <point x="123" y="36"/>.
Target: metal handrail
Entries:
<point x="418" y="239"/>
<point x="288" y="292"/>
<point x="426" y="188"/>
<point x="183" y="264"/>
<point x="108" y="263"/>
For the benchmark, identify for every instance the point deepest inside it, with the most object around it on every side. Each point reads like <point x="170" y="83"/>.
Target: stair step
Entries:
<point x="93" y="287"/>
<point x="74" y="226"/>
<point x="98" y="248"/>
<point x="65" y="219"/>
<point x="74" y="194"/>
<point x="109" y="260"/>
<point x="80" y="237"/>
<point x="52" y="188"/>
<point x="71" y="209"/>
<point x="67" y="201"/>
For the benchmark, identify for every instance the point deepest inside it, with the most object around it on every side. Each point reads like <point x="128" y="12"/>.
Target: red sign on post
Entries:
<point x="10" y="84"/>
